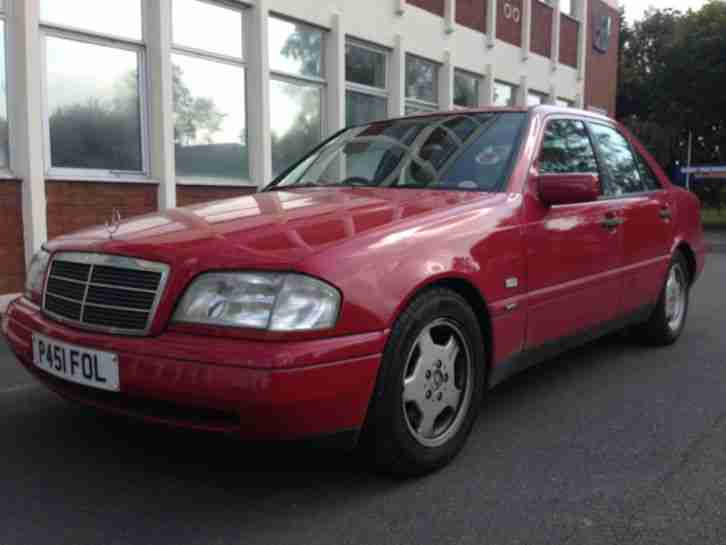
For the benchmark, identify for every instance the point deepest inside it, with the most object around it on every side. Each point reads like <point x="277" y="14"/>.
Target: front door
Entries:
<point x="574" y="252"/>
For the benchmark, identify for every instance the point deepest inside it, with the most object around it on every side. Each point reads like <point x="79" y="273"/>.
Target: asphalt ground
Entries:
<point x="614" y="443"/>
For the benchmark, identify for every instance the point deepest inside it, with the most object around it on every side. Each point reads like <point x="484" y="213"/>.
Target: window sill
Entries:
<point x="8" y="176"/>
<point x="100" y="179"/>
<point x="215" y="182"/>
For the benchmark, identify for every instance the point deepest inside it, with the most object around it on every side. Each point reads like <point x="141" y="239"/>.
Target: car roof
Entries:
<point x="540" y="110"/>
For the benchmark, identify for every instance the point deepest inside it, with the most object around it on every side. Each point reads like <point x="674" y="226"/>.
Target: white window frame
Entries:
<point x="564" y="102"/>
<point x="479" y="81"/>
<point x="296" y="79"/>
<point x="115" y="42"/>
<point x="369" y="90"/>
<point x="6" y="170"/>
<point x="513" y="87"/>
<point x="543" y="97"/>
<point x="423" y="106"/>
<point x="222" y="59"/>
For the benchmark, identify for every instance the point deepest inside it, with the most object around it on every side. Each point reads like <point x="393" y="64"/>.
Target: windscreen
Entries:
<point x="463" y="151"/>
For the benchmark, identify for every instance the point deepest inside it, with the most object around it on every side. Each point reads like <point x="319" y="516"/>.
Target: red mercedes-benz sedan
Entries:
<point x="378" y="287"/>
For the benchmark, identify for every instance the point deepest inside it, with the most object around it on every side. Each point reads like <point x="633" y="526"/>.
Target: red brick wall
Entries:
<point x="194" y="194"/>
<point x="76" y="205"/>
<point x="434" y="6"/>
<point x="602" y="69"/>
<point x="541" y="32"/>
<point x="12" y="250"/>
<point x="472" y="14"/>
<point x="569" y="30"/>
<point x="509" y="27"/>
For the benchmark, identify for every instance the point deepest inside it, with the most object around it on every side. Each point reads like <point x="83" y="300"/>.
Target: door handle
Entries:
<point x="665" y="213"/>
<point x="612" y="222"/>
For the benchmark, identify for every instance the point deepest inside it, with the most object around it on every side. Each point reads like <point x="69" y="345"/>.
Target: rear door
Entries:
<point x="646" y="208"/>
<point x="574" y="251"/>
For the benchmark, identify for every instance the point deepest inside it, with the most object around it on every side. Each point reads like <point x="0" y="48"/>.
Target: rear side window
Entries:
<point x="566" y="149"/>
<point x="623" y="173"/>
<point x="650" y="180"/>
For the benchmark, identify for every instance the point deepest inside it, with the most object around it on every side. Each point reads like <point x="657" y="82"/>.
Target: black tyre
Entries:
<point x="669" y="317"/>
<point x="429" y="388"/>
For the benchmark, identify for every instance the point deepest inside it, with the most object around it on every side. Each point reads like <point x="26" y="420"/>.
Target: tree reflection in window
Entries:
<point x="566" y="149"/>
<point x="623" y="174"/>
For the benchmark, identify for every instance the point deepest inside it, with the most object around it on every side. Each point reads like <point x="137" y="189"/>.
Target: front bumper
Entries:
<point x="259" y="390"/>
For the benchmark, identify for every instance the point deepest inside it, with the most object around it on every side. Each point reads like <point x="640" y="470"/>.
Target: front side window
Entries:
<point x="366" y="84"/>
<point x="623" y="174"/>
<point x="466" y="90"/>
<point x="566" y="149"/>
<point x="422" y="88"/>
<point x="208" y="76"/>
<point x="505" y="94"/>
<point x="94" y="85"/>
<point x="467" y="152"/>
<point x="296" y="90"/>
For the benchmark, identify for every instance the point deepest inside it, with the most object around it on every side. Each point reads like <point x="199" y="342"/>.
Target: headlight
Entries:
<point x="36" y="275"/>
<point x="272" y="301"/>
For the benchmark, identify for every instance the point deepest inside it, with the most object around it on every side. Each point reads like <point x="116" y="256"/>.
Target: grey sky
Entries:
<point x="635" y="9"/>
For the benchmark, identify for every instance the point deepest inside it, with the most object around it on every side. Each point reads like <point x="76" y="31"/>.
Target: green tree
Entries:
<point x="671" y="69"/>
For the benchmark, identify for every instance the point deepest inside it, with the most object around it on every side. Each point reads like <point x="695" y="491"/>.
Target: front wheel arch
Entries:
<point x="474" y="298"/>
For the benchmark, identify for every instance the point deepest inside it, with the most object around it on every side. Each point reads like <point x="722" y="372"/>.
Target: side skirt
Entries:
<point x="534" y="356"/>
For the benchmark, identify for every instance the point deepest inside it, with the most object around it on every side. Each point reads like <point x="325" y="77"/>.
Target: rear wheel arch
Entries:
<point x="690" y="256"/>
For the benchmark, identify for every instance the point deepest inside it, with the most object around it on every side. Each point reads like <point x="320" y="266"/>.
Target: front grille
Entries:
<point x="104" y="292"/>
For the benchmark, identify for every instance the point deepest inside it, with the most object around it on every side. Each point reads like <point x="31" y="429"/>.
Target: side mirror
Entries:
<point x="557" y="189"/>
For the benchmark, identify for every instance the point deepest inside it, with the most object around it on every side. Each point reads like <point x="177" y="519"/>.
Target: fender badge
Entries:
<point x="511" y="283"/>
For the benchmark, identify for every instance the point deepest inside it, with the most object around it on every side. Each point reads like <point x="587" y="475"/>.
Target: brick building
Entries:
<point x="149" y="104"/>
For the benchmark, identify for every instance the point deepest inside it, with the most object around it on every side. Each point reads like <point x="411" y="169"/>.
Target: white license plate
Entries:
<point x="76" y="364"/>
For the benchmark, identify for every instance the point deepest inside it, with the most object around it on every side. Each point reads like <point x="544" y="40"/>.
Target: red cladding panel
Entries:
<point x="434" y="6"/>
<point x="541" y="34"/>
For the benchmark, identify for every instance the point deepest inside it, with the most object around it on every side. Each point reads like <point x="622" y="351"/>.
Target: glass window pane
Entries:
<point x="99" y="16"/>
<point x="361" y="108"/>
<point x="4" y="148"/>
<point x="295" y="121"/>
<point x="535" y="99"/>
<point x="93" y="103"/>
<point x="623" y="174"/>
<point x="504" y="95"/>
<point x="394" y="154"/>
<point x="207" y="27"/>
<point x="466" y="90"/>
<point x="365" y="66"/>
<point x="210" y="135"/>
<point x="421" y="79"/>
<point x="295" y="49"/>
<point x="566" y="149"/>
<point x="650" y="180"/>
<point x="413" y="109"/>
